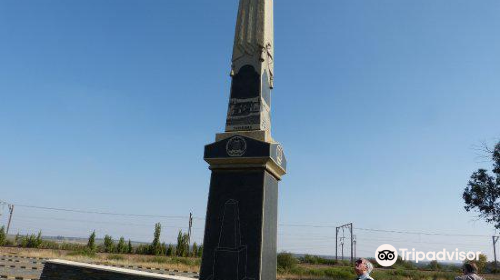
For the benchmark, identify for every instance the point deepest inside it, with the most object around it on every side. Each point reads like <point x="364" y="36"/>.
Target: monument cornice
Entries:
<point x="237" y="164"/>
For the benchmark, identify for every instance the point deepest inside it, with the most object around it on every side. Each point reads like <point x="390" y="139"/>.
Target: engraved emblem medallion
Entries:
<point x="236" y="146"/>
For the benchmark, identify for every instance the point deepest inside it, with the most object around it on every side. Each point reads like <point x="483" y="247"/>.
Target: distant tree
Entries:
<point x="480" y="263"/>
<point x="286" y="261"/>
<point x="156" y="245"/>
<point x="200" y="251"/>
<point x="31" y="241"/>
<point x="108" y="244"/>
<point x="194" y="250"/>
<point x="164" y="248"/>
<point x="143" y="249"/>
<point x="17" y="239"/>
<point x="170" y="250"/>
<point x="38" y="241"/>
<point x="182" y="249"/>
<point x="130" y="249"/>
<point x="434" y="265"/>
<point x="178" y="249"/>
<point x="91" y="242"/>
<point x="24" y="241"/>
<point x="3" y="236"/>
<point x="404" y="264"/>
<point x="121" y="247"/>
<point x="482" y="193"/>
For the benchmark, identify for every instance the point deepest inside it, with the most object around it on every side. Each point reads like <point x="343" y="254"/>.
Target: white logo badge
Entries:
<point x="386" y="255"/>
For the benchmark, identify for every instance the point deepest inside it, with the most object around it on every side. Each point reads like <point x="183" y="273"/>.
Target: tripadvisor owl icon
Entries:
<point x="386" y="255"/>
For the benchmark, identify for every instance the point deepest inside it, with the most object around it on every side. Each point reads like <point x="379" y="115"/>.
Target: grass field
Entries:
<point x="298" y="271"/>
<point x="347" y="273"/>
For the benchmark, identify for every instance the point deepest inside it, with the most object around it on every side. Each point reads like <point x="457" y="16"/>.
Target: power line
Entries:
<point x="422" y="233"/>
<point x="103" y="213"/>
<point x="310" y="226"/>
<point x="387" y="231"/>
<point x="99" y="222"/>
<point x="282" y="225"/>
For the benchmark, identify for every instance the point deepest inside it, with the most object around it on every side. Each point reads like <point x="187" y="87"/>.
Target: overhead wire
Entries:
<point x="104" y="213"/>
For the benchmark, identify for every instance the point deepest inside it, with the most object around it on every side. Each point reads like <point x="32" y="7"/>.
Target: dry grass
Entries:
<point x="101" y="258"/>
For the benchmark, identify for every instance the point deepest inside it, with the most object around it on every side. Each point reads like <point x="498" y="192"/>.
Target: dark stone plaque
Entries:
<point x="246" y="84"/>
<point x="244" y="104"/>
<point x="240" y="230"/>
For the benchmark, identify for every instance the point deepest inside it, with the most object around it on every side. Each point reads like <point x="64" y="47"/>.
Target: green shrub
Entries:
<point x="170" y="260"/>
<point x="182" y="248"/>
<point x="130" y="249"/>
<point x="9" y="243"/>
<point x="121" y="247"/>
<point x="114" y="257"/>
<point x="91" y="242"/>
<point x="200" y="251"/>
<point x="155" y="245"/>
<point x="143" y="249"/>
<point x="109" y="245"/>
<point x="194" y="250"/>
<point x="73" y="246"/>
<point x="31" y="241"/>
<point x="17" y="239"/>
<point x="3" y="236"/>
<point x="317" y="260"/>
<point x="286" y="261"/>
<point x="434" y="265"/>
<point x="170" y="250"/>
<point x="338" y="273"/>
<point x="84" y="252"/>
<point x="401" y="274"/>
<point x="46" y="244"/>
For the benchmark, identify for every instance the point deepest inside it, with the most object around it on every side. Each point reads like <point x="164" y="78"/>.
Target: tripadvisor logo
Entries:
<point x="387" y="255"/>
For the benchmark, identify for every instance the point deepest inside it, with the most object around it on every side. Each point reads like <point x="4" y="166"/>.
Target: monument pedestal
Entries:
<point x="241" y="226"/>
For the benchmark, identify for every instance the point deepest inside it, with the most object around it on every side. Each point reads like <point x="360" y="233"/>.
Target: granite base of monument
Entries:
<point x="68" y="270"/>
<point x="241" y="227"/>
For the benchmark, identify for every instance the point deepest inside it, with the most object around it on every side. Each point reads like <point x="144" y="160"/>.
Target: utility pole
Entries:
<point x="495" y="239"/>
<point x="342" y="245"/>
<point x="354" y="244"/>
<point x="352" y="240"/>
<point x="11" y="210"/>
<point x="336" y="245"/>
<point x="189" y="230"/>
<point x="342" y="239"/>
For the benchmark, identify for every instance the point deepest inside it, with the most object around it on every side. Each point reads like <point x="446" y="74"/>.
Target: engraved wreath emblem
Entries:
<point x="279" y="154"/>
<point x="236" y="146"/>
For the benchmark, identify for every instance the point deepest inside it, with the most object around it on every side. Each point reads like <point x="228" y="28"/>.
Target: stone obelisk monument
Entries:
<point x="246" y="163"/>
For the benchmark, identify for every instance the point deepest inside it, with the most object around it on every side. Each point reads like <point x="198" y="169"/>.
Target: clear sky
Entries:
<point x="106" y="106"/>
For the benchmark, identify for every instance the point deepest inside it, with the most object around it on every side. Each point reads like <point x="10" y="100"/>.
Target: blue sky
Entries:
<point x="106" y="106"/>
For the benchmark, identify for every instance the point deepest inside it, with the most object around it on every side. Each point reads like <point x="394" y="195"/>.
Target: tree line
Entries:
<point x="156" y="247"/>
<point x="181" y="249"/>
